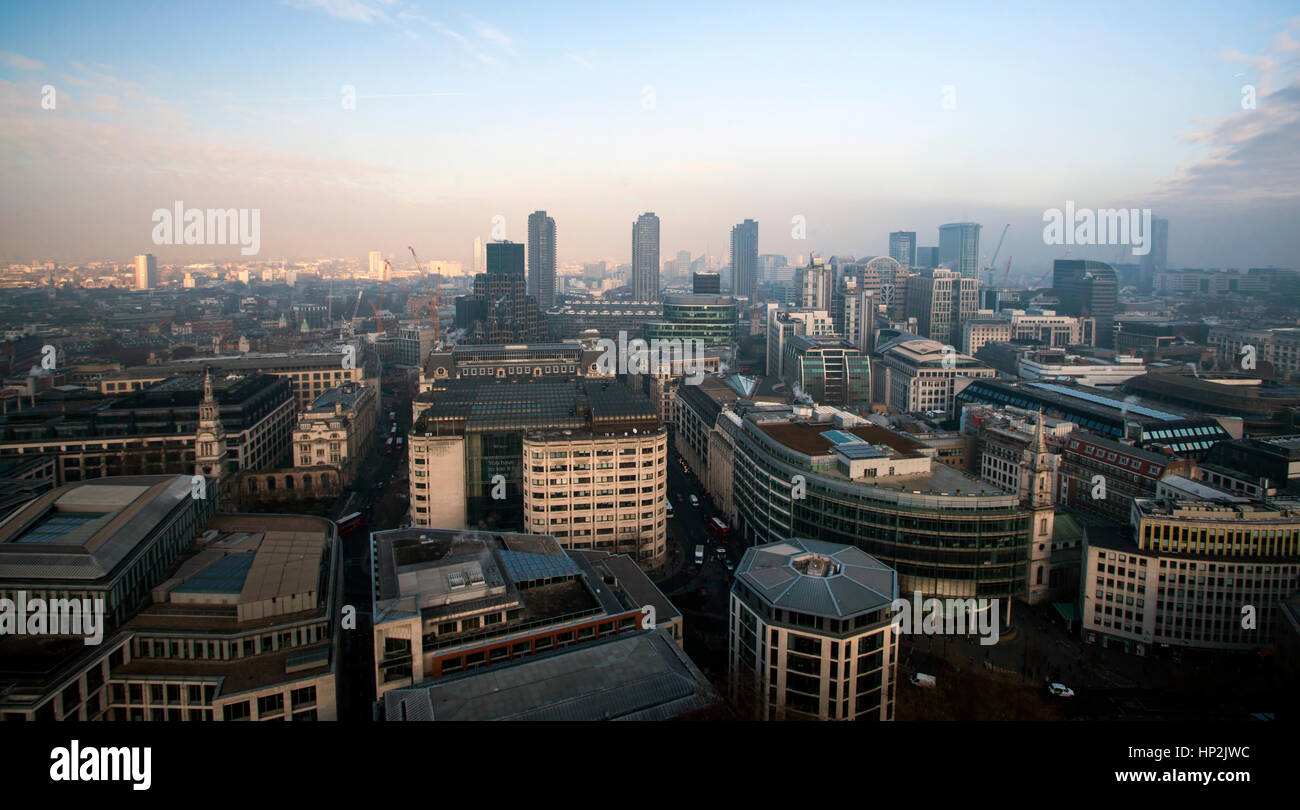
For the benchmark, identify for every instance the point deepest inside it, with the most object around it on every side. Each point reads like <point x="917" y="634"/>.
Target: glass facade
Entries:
<point x="940" y="545"/>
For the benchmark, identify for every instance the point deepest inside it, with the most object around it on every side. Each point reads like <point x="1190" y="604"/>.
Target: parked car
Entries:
<point x="1060" y="690"/>
<point x="695" y="501"/>
<point x="924" y="681"/>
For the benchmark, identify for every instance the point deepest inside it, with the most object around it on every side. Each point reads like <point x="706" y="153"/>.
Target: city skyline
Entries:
<point x="621" y="133"/>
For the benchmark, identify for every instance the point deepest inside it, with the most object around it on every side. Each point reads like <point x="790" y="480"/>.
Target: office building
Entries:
<point x="809" y="634"/>
<point x="1254" y="468"/>
<point x="584" y="489"/>
<point x="525" y="361"/>
<point x="709" y="318"/>
<point x="1127" y="473"/>
<point x="916" y="375"/>
<point x="338" y="430"/>
<point x="450" y="605"/>
<point x="466" y="448"/>
<point x="706" y="284"/>
<point x="573" y="320"/>
<point x="1029" y="363"/>
<point x="500" y="310"/>
<point x="959" y="248"/>
<point x="146" y="271"/>
<point x="157" y="430"/>
<point x="829" y="370"/>
<point x="744" y="259"/>
<point x="858" y="304"/>
<point x="813" y="285"/>
<point x="1088" y="289"/>
<point x="207" y="617"/>
<point x="783" y="324"/>
<point x="1156" y="261"/>
<point x="1041" y="327"/>
<point x="414" y="345"/>
<point x="946" y="533"/>
<point x="902" y="247"/>
<point x="309" y="374"/>
<point x="645" y="258"/>
<point x="941" y="301"/>
<point x="1180" y="573"/>
<point x="541" y="259"/>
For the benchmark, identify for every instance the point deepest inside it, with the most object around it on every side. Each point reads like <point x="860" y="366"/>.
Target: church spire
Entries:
<point x="1040" y="442"/>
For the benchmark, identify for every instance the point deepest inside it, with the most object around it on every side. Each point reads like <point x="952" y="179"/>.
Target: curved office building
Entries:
<point x="800" y="474"/>
<point x="711" y="318"/>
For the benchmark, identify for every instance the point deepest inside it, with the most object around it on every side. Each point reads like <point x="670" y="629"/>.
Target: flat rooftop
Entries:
<point x="439" y="572"/>
<point x="645" y="676"/>
<point x="809" y="437"/>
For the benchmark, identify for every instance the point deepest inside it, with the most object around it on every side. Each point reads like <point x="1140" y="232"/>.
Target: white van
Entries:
<point x="699" y="555"/>
<point x="924" y="681"/>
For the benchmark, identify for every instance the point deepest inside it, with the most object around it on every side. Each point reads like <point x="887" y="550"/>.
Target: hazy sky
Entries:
<point x="704" y="113"/>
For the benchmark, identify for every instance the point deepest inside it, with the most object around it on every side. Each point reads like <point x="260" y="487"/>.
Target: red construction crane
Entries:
<point x="435" y="297"/>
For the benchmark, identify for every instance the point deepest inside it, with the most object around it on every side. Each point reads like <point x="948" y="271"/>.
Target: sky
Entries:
<point x="861" y="118"/>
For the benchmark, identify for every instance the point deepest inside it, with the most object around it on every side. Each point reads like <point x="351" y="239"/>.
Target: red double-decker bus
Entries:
<point x="350" y="523"/>
<point x="719" y="529"/>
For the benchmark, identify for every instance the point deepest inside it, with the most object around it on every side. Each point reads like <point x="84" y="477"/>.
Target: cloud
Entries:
<point x="578" y="60"/>
<point x="493" y="35"/>
<point x="20" y="62"/>
<point x="109" y="84"/>
<point x="352" y="10"/>
<point x="1252" y="153"/>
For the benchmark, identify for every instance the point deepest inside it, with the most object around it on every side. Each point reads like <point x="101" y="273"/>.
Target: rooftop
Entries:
<point x="812" y="439"/>
<point x="645" y="676"/>
<point x="823" y="579"/>
<point x="84" y="531"/>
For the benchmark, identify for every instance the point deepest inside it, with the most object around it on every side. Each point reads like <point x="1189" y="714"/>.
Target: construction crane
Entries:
<point x="434" y="298"/>
<point x="993" y="262"/>
<point x="1006" y="274"/>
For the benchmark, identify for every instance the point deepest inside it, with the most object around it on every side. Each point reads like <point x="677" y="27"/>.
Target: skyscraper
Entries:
<point x="146" y="271"/>
<point x="902" y="247"/>
<point x="500" y="309"/>
<point x="927" y="258"/>
<point x="376" y="265"/>
<point x="1088" y="289"/>
<point x="813" y="285"/>
<point x="541" y="259"/>
<point x="744" y="259"/>
<point x="1156" y="260"/>
<point x="478" y="254"/>
<point x="645" y="258"/>
<point x="941" y="301"/>
<point x="683" y="264"/>
<point x="959" y="248"/>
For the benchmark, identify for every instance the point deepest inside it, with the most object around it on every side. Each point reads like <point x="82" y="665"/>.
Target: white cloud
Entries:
<point x="20" y="62"/>
<point x="352" y="10"/>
